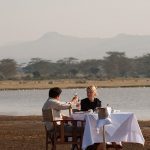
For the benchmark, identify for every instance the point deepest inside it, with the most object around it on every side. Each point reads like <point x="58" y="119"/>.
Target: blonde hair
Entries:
<point x="92" y="88"/>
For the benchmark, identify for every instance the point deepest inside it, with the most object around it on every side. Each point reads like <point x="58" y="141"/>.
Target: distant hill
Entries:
<point x="54" y="46"/>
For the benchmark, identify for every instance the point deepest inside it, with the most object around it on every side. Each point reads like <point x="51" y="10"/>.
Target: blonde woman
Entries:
<point x="91" y="102"/>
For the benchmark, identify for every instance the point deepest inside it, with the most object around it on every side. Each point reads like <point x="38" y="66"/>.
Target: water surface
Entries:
<point x="30" y="102"/>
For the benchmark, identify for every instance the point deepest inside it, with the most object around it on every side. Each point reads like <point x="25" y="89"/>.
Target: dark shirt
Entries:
<point x="86" y="104"/>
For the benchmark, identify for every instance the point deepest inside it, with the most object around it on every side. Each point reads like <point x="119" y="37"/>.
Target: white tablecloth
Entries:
<point x="124" y="128"/>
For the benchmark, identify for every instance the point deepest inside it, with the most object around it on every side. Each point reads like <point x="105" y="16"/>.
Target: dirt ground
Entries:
<point x="27" y="133"/>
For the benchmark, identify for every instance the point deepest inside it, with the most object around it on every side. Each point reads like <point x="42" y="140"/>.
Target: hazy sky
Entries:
<point x="22" y="20"/>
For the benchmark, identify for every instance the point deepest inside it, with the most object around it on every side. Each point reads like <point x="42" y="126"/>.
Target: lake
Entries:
<point x="30" y="102"/>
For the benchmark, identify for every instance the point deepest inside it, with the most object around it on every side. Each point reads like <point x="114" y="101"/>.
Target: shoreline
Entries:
<point x="74" y="83"/>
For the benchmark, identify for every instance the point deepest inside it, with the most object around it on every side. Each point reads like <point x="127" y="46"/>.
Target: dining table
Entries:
<point x="124" y="127"/>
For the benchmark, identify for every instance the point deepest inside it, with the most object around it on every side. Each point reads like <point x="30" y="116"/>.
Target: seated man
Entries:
<point x="54" y="103"/>
<point x="91" y="102"/>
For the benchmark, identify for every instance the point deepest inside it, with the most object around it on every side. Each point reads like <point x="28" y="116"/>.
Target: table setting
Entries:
<point x="119" y="127"/>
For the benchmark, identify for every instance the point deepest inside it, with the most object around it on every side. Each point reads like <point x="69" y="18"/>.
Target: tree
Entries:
<point x="142" y="65"/>
<point x="68" y="60"/>
<point x="36" y="74"/>
<point x="40" y="66"/>
<point x="90" y="66"/>
<point x="116" y="64"/>
<point x="94" y="70"/>
<point x="73" y="72"/>
<point x="8" y="68"/>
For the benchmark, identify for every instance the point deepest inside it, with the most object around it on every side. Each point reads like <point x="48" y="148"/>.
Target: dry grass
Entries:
<point x="27" y="133"/>
<point x="45" y="84"/>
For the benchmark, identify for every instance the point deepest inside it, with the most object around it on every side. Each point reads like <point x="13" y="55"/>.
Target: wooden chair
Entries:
<point x="67" y="132"/>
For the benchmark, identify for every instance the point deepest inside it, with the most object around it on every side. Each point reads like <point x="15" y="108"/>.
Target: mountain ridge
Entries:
<point x="54" y="46"/>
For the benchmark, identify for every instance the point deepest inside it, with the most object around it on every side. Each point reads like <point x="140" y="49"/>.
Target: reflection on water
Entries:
<point x="30" y="102"/>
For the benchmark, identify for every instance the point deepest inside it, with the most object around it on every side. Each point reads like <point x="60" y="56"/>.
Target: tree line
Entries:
<point x="113" y="65"/>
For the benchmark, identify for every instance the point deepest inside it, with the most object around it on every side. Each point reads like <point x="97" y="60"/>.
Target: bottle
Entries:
<point x="108" y="109"/>
<point x="78" y="105"/>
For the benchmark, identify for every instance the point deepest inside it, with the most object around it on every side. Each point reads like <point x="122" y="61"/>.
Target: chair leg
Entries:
<point x="46" y="146"/>
<point x="81" y="142"/>
<point x="46" y="141"/>
<point x="49" y="139"/>
<point x="53" y="141"/>
<point x="80" y="146"/>
<point x="54" y="147"/>
<point x="74" y="147"/>
<point x="104" y="140"/>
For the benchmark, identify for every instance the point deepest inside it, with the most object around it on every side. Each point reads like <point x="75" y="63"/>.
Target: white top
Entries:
<point x="57" y="106"/>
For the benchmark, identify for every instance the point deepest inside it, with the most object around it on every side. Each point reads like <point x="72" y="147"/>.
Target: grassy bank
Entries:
<point x="27" y="133"/>
<point x="45" y="84"/>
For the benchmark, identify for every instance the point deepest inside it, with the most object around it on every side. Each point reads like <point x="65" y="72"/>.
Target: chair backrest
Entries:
<point x="47" y="115"/>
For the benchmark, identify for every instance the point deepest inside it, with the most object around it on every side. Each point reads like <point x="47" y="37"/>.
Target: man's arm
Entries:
<point x="60" y="106"/>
